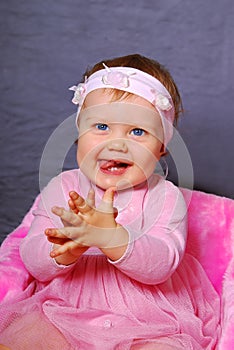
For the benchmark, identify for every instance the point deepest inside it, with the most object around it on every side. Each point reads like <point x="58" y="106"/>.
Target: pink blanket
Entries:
<point x="210" y="240"/>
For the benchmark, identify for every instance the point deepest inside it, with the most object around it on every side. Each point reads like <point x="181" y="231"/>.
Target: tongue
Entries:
<point x="109" y="164"/>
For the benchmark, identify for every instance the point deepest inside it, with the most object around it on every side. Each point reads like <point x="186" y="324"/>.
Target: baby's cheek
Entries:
<point x="81" y="151"/>
<point x="86" y="150"/>
<point x="148" y="163"/>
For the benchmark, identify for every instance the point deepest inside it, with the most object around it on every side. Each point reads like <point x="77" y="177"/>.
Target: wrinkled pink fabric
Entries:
<point x="211" y="241"/>
<point x="99" y="298"/>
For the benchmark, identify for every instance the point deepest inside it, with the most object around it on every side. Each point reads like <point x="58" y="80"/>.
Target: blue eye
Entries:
<point x="102" y="127"/>
<point x="138" y="132"/>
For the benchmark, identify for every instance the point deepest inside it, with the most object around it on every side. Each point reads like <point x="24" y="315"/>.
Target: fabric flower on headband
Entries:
<point x="162" y="102"/>
<point x="116" y="78"/>
<point x="79" y="93"/>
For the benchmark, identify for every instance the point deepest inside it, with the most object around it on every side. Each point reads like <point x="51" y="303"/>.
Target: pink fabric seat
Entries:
<point x="210" y="240"/>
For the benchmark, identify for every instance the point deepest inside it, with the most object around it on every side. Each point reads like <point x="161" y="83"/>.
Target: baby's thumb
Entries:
<point x="106" y="204"/>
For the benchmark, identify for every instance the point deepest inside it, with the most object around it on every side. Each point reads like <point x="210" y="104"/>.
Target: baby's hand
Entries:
<point x="73" y="251"/>
<point x="86" y="225"/>
<point x="75" y="200"/>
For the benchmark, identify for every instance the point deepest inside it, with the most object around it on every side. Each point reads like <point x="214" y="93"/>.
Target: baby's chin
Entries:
<point x="120" y="185"/>
<point x="124" y="185"/>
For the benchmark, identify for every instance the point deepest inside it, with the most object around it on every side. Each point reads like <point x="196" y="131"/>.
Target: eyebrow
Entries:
<point x="89" y="117"/>
<point x="96" y="119"/>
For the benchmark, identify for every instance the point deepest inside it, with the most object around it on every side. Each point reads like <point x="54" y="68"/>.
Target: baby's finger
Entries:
<point x="54" y="233"/>
<point x="106" y="204"/>
<point x="81" y="205"/>
<point x="91" y="198"/>
<point x="67" y="216"/>
<point x="72" y="206"/>
<point x="57" y="240"/>
<point x="62" y="249"/>
<point x="70" y="233"/>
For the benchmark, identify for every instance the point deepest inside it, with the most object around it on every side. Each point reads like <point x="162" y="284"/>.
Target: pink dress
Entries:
<point x="154" y="294"/>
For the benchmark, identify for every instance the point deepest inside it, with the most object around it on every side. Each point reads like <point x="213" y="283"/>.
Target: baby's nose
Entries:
<point x="117" y="145"/>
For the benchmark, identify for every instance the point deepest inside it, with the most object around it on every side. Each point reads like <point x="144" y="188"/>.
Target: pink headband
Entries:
<point x="134" y="81"/>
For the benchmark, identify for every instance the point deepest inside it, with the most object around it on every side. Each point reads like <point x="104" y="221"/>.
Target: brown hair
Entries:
<point x="146" y="65"/>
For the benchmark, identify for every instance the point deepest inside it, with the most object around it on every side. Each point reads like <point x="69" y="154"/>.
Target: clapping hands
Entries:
<point x="86" y="226"/>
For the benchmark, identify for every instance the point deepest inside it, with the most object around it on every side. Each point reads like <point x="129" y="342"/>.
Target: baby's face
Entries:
<point x="119" y="142"/>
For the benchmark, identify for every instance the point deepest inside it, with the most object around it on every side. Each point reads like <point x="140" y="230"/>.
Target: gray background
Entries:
<point x="46" y="45"/>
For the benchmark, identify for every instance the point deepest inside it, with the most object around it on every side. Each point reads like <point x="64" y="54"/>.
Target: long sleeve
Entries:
<point x="35" y="248"/>
<point x="157" y="246"/>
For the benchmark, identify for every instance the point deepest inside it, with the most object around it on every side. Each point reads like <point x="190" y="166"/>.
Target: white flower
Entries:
<point x="117" y="79"/>
<point x="162" y="102"/>
<point x="79" y="93"/>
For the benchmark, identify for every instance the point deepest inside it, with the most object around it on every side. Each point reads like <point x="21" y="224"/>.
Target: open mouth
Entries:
<point x="114" y="167"/>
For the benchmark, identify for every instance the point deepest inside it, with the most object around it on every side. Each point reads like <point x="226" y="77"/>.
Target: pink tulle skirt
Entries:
<point x="97" y="307"/>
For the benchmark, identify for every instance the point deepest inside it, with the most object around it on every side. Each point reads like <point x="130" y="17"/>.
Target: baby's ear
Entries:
<point x="163" y="151"/>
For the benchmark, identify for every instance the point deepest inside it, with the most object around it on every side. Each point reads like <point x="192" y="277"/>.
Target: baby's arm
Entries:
<point x="154" y="254"/>
<point x="35" y="249"/>
<point x="89" y="226"/>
